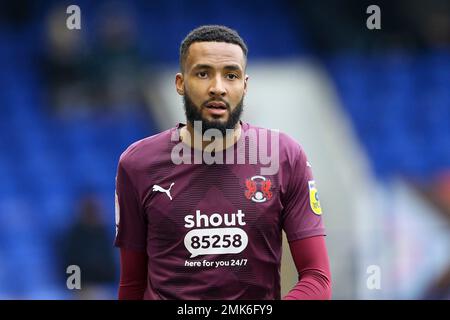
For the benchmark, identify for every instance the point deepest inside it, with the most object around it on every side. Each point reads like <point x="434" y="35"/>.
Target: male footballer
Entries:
<point x="199" y="214"/>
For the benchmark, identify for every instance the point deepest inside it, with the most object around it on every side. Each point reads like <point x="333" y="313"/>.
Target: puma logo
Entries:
<point x="160" y="189"/>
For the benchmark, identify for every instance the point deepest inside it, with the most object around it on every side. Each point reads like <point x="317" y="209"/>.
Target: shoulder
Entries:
<point x="143" y="152"/>
<point x="291" y="149"/>
<point x="288" y="148"/>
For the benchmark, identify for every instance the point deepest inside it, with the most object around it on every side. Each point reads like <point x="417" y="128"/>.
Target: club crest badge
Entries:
<point x="258" y="189"/>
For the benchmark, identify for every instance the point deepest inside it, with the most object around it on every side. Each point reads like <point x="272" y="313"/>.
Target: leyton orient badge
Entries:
<point x="258" y="189"/>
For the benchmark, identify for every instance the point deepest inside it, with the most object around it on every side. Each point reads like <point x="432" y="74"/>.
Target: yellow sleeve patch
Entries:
<point x="314" y="198"/>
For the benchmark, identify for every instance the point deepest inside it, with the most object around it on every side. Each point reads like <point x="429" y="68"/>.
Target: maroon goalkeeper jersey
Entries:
<point x="214" y="230"/>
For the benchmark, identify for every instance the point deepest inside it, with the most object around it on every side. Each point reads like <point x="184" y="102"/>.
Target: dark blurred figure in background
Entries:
<point x="103" y="73"/>
<point x="64" y="66"/>
<point x="116" y="64"/>
<point x="406" y="24"/>
<point x="87" y="244"/>
<point x="16" y="14"/>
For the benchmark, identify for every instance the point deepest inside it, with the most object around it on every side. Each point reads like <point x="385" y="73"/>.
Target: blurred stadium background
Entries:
<point x="370" y="107"/>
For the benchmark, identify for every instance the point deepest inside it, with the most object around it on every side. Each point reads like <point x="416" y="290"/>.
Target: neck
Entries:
<point x="194" y="139"/>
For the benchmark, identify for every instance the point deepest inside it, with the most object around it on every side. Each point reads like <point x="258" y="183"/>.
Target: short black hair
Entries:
<point x="207" y="33"/>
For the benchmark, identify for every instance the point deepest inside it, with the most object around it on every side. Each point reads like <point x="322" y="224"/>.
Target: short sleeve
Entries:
<point x="302" y="214"/>
<point x="130" y="222"/>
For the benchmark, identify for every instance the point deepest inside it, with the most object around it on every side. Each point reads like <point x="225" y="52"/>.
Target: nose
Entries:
<point x="217" y="87"/>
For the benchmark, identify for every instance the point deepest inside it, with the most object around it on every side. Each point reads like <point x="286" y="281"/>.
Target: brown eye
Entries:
<point x="202" y="74"/>
<point x="232" y="76"/>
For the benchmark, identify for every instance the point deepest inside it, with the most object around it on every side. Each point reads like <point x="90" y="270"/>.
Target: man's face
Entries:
<point x="213" y="84"/>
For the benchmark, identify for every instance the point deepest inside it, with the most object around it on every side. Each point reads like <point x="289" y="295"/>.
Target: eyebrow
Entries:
<point x="233" y="67"/>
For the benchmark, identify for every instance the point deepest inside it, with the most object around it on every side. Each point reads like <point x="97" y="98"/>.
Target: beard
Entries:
<point x="194" y="113"/>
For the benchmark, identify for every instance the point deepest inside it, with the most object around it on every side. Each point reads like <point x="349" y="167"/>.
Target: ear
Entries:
<point x="179" y="83"/>
<point x="245" y="84"/>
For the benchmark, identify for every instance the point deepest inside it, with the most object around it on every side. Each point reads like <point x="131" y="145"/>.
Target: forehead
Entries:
<point x="216" y="54"/>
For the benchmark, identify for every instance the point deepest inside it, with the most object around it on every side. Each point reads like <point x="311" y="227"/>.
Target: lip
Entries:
<point x="216" y="111"/>
<point x="216" y="104"/>
<point x="216" y="108"/>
